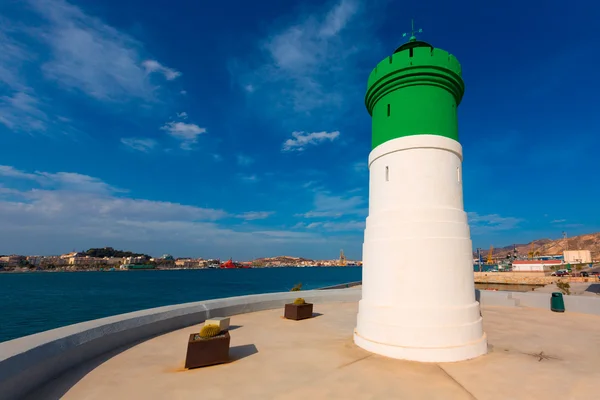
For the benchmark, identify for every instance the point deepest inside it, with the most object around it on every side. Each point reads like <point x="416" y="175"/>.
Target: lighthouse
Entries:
<point x="418" y="296"/>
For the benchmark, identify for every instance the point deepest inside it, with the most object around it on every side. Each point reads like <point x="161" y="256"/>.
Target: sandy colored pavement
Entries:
<point x="534" y="354"/>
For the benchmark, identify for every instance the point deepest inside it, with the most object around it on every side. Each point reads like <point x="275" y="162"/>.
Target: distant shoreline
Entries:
<point x="159" y="269"/>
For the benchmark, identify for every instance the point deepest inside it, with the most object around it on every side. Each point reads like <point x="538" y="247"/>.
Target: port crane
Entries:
<point x="533" y="253"/>
<point x="342" y="259"/>
<point x="490" y="256"/>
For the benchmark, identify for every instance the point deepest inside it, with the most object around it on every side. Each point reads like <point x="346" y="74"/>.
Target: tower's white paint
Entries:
<point x="418" y="296"/>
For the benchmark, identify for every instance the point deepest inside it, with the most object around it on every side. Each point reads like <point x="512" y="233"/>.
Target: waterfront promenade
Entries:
<point x="534" y="353"/>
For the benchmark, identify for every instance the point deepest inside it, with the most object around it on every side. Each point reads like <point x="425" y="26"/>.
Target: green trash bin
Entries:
<point x="557" y="303"/>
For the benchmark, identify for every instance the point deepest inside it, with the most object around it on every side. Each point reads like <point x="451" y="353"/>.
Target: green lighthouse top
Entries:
<point x="415" y="91"/>
<point x="414" y="58"/>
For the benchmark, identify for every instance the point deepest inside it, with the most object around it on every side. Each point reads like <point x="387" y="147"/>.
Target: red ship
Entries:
<point x="230" y="264"/>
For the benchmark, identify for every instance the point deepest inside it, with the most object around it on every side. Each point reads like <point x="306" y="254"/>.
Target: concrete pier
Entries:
<point x="533" y="354"/>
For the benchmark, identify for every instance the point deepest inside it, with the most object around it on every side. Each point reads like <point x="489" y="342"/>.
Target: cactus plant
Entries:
<point x="299" y="301"/>
<point x="297" y="287"/>
<point x="209" y="331"/>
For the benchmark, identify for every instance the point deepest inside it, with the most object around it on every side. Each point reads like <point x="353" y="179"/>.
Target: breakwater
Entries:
<point x="518" y="278"/>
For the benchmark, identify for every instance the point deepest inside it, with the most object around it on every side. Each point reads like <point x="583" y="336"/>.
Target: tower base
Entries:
<point x="418" y="295"/>
<point x="433" y="354"/>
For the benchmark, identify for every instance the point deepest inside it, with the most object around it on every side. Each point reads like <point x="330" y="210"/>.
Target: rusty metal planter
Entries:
<point x="204" y="352"/>
<point x="298" y="311"/>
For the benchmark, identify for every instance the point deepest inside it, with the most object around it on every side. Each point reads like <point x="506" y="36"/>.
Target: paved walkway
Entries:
<point x="534" y="354"/>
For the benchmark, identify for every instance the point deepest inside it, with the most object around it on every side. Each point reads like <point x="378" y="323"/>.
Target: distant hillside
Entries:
<point x="281" y="259"/>
<point x="547" y="247"/>
<point x="110" y="252"/>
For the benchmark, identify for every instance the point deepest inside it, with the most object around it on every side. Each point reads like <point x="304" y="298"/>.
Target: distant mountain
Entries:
<point x="547" y="247"/>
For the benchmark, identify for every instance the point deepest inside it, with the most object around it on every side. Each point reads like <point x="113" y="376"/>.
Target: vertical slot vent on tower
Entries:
<point x="458" y="174"/>
<point x="387" y="173"/>
<point x="410" y="52"/>
<point x="388" y="110"/>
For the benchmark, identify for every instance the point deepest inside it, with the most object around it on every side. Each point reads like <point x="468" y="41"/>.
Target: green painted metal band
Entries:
<point x="415" y="100"/>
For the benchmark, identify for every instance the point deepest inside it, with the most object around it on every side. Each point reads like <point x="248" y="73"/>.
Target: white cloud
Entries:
<point x="22" y="112"/>
<point x="11" y="172"/>
<point x="558" y="221"/>
<point x="66" y="181"/>
<point x="311" y="66"/>
<point x="74" y="210"/>
<point x="326" y="205"/>
<point x="186" y="133"/>
<point x="244" y="160"/>
<point x="308" y="184"/>
<point x="12" y="58"/>
<point x="63" y="44"/>
<point x="90" y="56"/>
<point x="492" y="222"/>
<point x="338" y="17"/>
<point x="155" y="66"/>
<point x="249" y="178"/>
<point x="144" y="145"/>
<point x="20" y="108"/>
<point x="361" y="167"/>
<point x="333" y="226"/>
<point x="286" y="235"/>
<point x="254" y="215"/>
<point x="301" y="140"/>
<point x="182" y="115"/>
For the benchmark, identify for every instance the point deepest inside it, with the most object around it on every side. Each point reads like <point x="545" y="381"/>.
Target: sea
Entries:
<point x="33" y="302"/>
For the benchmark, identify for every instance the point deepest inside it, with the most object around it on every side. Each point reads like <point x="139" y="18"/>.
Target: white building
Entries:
<point x="577" y="256"/>
<point x="134" y="260"/>
<point x="12" y="260"/>
<point x="540" y="267"/>
<point x="35" y="260"/>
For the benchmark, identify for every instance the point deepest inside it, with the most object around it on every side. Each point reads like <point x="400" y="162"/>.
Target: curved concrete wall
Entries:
<point x="30" y="361"/>
<point x="342" y="286"/>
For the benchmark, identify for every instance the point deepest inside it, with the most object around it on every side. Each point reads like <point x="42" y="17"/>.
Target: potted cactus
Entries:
<point x="298" y="310"/>
<point x="208" y="347"/>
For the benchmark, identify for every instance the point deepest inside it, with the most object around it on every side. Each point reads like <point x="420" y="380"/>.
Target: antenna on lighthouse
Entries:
<point x="412" y="31"/>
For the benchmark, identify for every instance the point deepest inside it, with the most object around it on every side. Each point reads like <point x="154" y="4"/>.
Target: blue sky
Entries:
<point x="213" y="130"/>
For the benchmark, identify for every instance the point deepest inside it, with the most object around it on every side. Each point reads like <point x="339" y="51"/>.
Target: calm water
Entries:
<point x="35" y="302"/>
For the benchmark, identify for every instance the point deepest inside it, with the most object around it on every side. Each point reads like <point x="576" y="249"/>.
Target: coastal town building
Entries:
<point x="111" y="260"/>
<point x="56" y="261"/>
<point x="536" y="267"/>
<point x="577" y="256"/>
<point x="34" y="260"/>
<point x="190" y="263"/>
<point x="12" y="260"/>
<point x="133" y="260"/>
<point x="73" y="254"/>
<point x="80" y="260"/>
